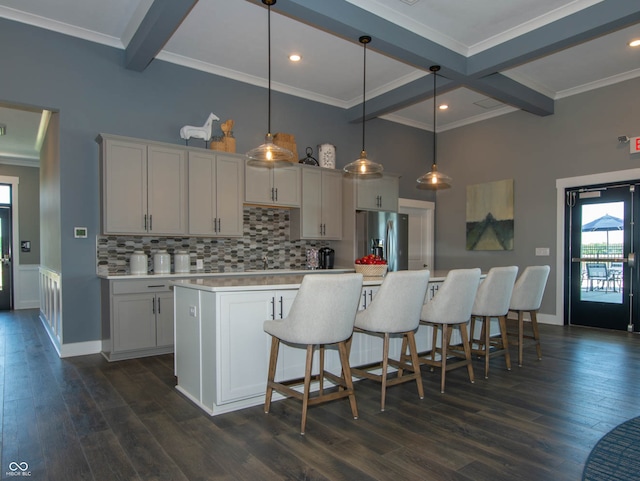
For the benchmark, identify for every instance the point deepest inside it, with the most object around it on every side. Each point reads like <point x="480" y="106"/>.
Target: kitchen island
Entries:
<point x="222" y="352"/>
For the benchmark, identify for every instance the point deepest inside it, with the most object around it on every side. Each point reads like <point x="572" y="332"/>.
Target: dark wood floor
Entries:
<point x="86" y="419"/>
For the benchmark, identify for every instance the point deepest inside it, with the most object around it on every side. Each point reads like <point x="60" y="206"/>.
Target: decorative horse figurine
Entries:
<point x="189" y="131"/>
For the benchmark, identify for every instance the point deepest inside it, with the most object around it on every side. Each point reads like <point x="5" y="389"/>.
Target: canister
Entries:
<point x="181" y="261"/>
<point x="138" y="263"/>
<point x="161" y="262"/>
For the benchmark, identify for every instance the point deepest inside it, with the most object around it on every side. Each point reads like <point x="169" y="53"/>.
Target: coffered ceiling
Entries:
<point x="496" y="55"/>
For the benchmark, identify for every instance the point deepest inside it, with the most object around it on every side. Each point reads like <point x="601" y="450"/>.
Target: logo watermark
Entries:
<point x="18" y="469"/>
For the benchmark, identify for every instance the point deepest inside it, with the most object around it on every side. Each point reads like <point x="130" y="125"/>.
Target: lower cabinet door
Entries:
<point x="242" y="345"/>
<point x="134" y="322"/>
<point x="164" y="319"/>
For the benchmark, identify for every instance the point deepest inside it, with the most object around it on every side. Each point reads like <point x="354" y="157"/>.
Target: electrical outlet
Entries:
<point x="542" y="251"/>
<point x="193" y="311"/>
<point x="199" y="264"/>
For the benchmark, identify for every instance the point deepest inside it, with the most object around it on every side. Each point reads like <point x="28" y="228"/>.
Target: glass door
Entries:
<point x="602" y="239"/>
<point x="6" y="267"/>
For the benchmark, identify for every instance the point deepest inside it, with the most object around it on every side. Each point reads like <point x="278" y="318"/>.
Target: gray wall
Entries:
<point x="28" y="209"/>
<point x="93" y="93"/>
<point x="87" y="84"/>
<point x="579" y="139"/>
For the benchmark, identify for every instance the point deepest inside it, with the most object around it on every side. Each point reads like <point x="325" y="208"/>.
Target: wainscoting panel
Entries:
<point x="27" y="287"/>
<point x="51" y="304"/>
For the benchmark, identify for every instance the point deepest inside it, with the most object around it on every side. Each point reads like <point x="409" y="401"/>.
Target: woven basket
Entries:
<point x="287" y="141"/>
<point x="375" y="270"/>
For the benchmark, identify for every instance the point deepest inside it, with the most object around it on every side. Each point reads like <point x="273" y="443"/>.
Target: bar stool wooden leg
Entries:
<point x="446" y="339"/>
<point x="385" y="364"/>
<point x="520" y="337"/>
<point x="273" y="359"/>
<point x="346" y="369"/>
<point x="467" y="350"/>
<point x="505" y="341"/>
<point x="410" y="338"/>
<point x="536" y="333"/>
<point x="307" y="387"/>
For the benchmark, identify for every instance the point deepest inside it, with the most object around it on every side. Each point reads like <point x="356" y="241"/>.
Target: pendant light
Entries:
<point x="434" y="180"/>
<point x="364" y="166"/>
<point x="269" y="154"/>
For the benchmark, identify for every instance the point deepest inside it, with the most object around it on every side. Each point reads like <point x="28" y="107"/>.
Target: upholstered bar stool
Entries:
<point x="395" y="309"/>
<point x="526" y="298"/>
<point x="492" y="301"/>
<point x="450" y="309"/>
<point x="323" y="312"/>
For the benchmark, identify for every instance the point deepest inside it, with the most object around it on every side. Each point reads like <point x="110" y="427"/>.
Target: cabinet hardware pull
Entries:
<point x="153" y="306"/>
<point x="145" y="222"/>
<point x="155" y="287"/>
<point x="273" y="308"/>
<point x="150" y="221"/>
<point x="276" y="199"/>
<point x="159" y="306"/>
<point x="219" y="223"/>
<point x="364" y="301"/>
<point x="273" y="197"/>
<point x="281" y="310"/>
<point x="370" y="295"/>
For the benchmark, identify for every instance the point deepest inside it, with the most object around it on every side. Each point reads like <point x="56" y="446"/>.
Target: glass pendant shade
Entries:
<point x="363" y="166"/>
<point x="434" y="180"/>
<point x="269" y="154"/>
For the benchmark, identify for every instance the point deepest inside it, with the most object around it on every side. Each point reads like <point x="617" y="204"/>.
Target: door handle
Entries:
<point x="6" y="259"/>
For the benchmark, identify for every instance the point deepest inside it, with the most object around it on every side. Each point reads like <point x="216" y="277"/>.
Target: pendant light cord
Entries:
<point x="269" y="68"/>
<point x="434" y="116"/>
<point x="364" y="87"/>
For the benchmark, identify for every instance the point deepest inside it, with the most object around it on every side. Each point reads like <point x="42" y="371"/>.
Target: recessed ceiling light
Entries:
<point x="294" y="57"/>
<point x="443" y="107"/>
<point x="635" y="43"/>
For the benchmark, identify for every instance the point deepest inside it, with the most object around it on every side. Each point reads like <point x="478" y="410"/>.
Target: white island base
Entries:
<point x="222" y="352"/>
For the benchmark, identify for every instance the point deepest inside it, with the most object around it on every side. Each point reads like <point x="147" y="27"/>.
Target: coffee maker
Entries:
<point x="326" y="257"/>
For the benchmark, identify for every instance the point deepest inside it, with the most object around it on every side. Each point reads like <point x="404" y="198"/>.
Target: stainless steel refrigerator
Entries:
<point x="385" y="234"/>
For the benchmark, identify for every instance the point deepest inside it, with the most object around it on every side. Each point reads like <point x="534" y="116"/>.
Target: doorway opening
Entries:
<point x="601" y="242"/>
<point x="6" y="248"/>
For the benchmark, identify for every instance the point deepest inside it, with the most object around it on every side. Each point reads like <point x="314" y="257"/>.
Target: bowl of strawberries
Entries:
<point x="371" y="265"/>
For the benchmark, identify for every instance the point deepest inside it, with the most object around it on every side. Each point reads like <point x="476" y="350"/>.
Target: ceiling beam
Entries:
<point x="162" y="19"/>
<point x="600" y="19"/>
<point x="404" y="96"/>
<point x="512" y="93"/>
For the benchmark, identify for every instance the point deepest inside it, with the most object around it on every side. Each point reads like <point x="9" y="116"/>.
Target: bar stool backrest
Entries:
<point x="324" y="309"/>
<point x="397" y="304"/>
<point x="494" y="292"/>
<point x="455" y="297"/>
<point x="529" y="288"/>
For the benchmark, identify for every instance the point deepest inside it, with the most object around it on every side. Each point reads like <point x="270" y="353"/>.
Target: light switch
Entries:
<point x="193" y="311"/>
<point x="542" y="251"/>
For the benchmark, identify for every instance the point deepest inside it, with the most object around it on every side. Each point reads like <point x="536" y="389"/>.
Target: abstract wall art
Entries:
<point x="490" y="216"/>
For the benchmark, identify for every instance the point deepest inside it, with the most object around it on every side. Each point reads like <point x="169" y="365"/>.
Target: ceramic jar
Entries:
<point x="161" y="262"/>
<point x="327" y="156"/>
<point x="181" y="262"/>
<point x="138" y="263"/>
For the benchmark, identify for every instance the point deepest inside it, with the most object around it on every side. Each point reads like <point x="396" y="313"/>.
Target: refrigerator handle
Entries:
<point x="388" y="239"/>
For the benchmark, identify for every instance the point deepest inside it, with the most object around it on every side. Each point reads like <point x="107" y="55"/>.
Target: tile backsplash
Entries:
<point x="266" y="233"/>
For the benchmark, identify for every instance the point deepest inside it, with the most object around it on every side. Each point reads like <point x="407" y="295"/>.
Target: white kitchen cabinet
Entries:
<point x="216" y="183"/>
<point x="320" y="214"/>
<point x="378" y="194"/>
<point x="277" y="186"/>
<point x="137" y="318"/>
<point x="243" y="347"/>
<point x="144" y="187"/>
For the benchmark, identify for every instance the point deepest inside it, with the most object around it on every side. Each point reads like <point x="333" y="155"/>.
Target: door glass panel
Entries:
<point x="602" y="240"/>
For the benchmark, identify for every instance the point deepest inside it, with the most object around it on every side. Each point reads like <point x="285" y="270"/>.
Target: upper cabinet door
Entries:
<point x="286" y="182"/>
<point x="124" y="186"/>
<point x="272" y="186"/>
<point x="167" y="190"/>
<point x="229" y="189"/>
<point x="202" y="193"/>
<point x="378" y="194"/>
<point x="332" y="204"/>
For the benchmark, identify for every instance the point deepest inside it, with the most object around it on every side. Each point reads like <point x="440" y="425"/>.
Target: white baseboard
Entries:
<point x="80" y="348"/>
